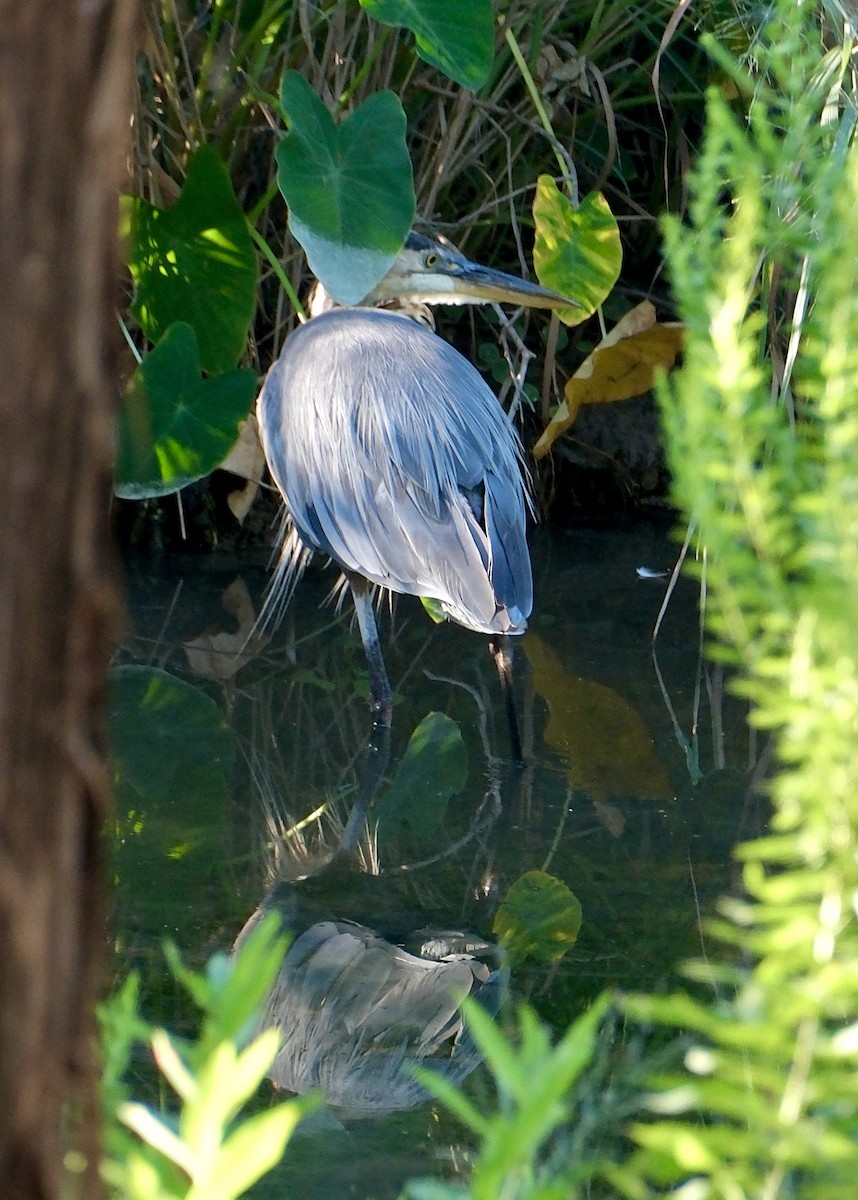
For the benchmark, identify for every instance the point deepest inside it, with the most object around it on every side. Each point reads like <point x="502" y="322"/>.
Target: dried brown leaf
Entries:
<point x="623" y="365"/>
<point x="246" y="459"/>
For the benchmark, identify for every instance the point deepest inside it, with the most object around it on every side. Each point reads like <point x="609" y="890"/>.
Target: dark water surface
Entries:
<point x="635" y="791"/>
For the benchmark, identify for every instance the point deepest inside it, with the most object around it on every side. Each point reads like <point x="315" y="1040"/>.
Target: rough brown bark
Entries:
<point x="65" y="69"/>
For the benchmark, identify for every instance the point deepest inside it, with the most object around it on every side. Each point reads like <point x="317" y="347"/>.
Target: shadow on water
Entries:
<point x="638" y="784"/>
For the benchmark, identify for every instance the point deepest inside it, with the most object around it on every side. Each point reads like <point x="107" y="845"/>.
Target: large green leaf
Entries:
<point x="433" y="768"/>
<point x="349" y="188"/>
<point x="195" y="262"/>
<point x="456" y="36"/>
<point x="577" y="251"/>
<point x="175" y="426"/>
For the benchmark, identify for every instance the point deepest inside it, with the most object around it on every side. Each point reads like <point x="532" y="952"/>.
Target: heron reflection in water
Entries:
<point x="396" y="460"/>
<point x="357" y="1012"/>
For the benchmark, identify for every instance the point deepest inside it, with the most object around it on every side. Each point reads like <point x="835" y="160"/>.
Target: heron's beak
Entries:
<point x="475" y="284"/>
<point x="431" y="271"/>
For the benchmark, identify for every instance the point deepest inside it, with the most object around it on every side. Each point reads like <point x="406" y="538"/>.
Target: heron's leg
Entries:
<point x="501" y="652"/>
<point x="381" y="697"/>
<point x="378" y="756"/>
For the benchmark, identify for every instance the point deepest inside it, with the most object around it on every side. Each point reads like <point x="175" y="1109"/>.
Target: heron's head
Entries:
<point x="431" y="271"/>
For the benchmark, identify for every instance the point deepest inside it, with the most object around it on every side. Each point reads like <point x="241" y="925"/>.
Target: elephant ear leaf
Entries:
<point x="195" y="262"/>
<point x="175" y="426"/>
<point x="577" y="251"/>
<point x="456" y="36"/>
<point x="349" y="187"/>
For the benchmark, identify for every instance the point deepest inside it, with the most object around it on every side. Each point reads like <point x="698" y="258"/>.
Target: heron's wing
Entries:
<point x="396" y="459"/>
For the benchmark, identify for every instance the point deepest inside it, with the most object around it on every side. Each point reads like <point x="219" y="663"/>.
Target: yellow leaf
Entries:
<point x="607" y="747"/>
<point x="577" y="251"/>
<point x="623" y="365"/>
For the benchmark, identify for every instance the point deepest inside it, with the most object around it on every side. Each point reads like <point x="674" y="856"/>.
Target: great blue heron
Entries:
<point x="396" y="460"/>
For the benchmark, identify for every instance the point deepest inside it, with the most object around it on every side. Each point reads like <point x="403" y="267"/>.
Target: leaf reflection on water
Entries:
<point x="604" y="742"/>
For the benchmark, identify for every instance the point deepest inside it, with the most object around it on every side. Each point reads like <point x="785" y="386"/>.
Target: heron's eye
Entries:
<point x="431" y="260"/>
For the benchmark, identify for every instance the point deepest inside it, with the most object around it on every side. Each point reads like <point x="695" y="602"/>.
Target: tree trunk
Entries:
<point x="65" y="70"/>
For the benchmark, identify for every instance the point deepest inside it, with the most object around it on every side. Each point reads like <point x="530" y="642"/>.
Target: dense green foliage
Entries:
<point x="535" y="1081"/>
<point x="764" y="447"/>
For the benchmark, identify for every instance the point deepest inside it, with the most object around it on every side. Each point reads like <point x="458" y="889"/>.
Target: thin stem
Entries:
<point x="365" y="68"/>
<point x="277" y="268"/>
<point x="261" y="205"/>
<point x="566" y="168"/>
<point x="208" y="55"/>
<point x="126" y="333"/>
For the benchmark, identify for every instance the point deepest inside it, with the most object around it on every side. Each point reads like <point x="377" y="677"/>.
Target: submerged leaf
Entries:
<point x="624" y="364"/>
<point x="174" y="426"/>
<point x="577" y="251"/>
<point x="456" y="36"/>
<point x="171" y="756"/>
<point x="349" y="188"/>
<point x="540" y="918"/>
<point x="433" y="769"/>
<point x="195" y="262"/>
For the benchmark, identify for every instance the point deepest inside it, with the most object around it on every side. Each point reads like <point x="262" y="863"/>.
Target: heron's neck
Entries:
<point x="321" y="301"/>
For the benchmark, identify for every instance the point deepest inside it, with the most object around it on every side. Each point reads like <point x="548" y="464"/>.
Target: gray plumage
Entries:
<point x="396" y="460"/>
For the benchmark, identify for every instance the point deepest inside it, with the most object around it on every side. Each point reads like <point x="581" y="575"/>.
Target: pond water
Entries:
<point x="637" y="785"/>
